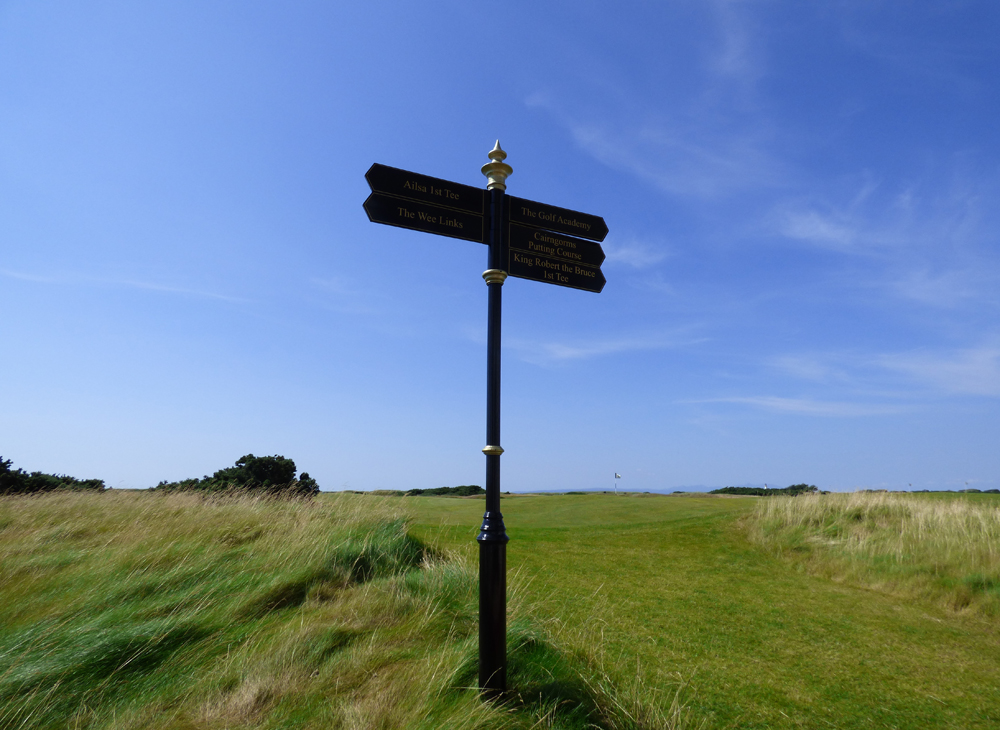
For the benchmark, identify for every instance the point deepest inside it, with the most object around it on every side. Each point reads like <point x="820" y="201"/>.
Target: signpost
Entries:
<point x="527" y="240"/>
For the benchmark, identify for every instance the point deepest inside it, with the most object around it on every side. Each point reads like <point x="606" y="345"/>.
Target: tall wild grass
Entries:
<point x="943" y="550"/>
<point x="148" y="610"/>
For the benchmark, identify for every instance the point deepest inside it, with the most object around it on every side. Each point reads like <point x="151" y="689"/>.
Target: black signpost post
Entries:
<point x="527" y="240"/>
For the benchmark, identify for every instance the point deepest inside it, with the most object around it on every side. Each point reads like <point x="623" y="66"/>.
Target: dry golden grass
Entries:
<point x="123" y="611"/>
<point x="943" y="549"/>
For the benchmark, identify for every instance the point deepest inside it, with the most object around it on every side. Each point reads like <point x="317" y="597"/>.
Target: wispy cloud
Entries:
<point x="812" y="368"/>
<point x="121" y="283"/>
<point x="964" y="371"/>
<point x="735" y="56"/>
<point x="934" y="60"/>
<point x="931" y="241"/>
<point x="973" y="371"/>
<point x="635" y="253"/>
<point x="548" y="353"/>
<point x="946" y="288"/>
<point x="682" y="160"/>
<point x="833" y="230"/>
<point x="712" y="140"/>
<point x="810" y="407"/>
<point x="28" y="277"/>
<point x="343" y="296"/>
<point x="150" y="286"/>
<point x="943" y="208"/>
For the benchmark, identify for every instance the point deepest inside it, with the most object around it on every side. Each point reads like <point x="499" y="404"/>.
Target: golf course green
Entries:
<point x="671" y="584"/>
<point x="134" y="610"/>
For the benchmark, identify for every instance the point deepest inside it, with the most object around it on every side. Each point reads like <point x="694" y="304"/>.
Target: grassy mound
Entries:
<point x="138" y="610"/>
<point x="943" y="549"/>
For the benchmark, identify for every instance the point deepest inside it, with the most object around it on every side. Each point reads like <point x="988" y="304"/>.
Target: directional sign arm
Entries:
<point x="563" y="220"/>
<point x="425" y="189"/>
<point x="555" y="245"/>
<point x="423" y="217"/>
<point x="550" y="270"/>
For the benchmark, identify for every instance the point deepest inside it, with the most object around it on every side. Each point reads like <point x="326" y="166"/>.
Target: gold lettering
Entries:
<point x="573" y="222"/>
<point x="541" y="249"/>
<point x="568" y="254"/>
<point x="546" y="238"/>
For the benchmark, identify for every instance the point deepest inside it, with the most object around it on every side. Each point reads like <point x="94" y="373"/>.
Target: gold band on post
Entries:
<point x="492" y="450"/>
<point x="494" y="276"/>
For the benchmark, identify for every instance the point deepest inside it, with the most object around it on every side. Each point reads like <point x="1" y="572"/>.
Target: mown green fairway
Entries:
<point x="673" y="585"/>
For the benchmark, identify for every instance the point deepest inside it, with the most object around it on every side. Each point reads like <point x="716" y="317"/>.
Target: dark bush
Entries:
<point x="255" y="474"/>
<point x="793" y="490"/>
<point x="466" y="490"/>
<point x="18" y="481"/>
<point x="263" y="470"/>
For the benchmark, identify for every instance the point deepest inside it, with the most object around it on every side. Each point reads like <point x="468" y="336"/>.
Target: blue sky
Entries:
<point x="803" y="266"/>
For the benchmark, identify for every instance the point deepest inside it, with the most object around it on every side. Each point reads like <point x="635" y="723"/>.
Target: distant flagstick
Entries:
<point x="617" y="477"/>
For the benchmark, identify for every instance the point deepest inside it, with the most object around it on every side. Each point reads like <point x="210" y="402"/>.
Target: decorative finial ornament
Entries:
<point x="496" y="172"/>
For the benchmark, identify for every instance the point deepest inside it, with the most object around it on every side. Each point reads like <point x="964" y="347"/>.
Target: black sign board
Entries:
<point x="555" y="271"/>
<point x="561" y="220"/>
<point x="423" y="217"/>
<point x="554" y="245"/>
<point x="424" y="188"/>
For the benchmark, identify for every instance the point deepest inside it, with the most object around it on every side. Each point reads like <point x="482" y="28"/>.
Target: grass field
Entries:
<point x="675" y="584"/>
<point x="169" y="611"/>
<point x="943" y="549"/>
<point x="137" y="610"/>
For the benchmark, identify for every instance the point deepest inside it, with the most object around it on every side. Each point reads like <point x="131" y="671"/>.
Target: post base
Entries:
<point x="493" y="617"/>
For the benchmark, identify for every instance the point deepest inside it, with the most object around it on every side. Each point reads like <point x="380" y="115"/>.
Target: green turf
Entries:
<point x="136" y="610"/>
<point x="673" y="585"/>
<point x="171" y="611"/>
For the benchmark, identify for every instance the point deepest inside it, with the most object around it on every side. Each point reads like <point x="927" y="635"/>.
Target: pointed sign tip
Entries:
<point x="497" y="153"/>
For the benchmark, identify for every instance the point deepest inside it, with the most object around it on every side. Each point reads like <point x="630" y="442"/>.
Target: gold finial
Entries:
<point x="496" y="172"/>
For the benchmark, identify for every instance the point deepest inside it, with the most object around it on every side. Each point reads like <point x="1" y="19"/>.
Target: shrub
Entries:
<point x="18" y="481"/>
<point x="255" y="474"/>
<point x="793" y="490"/>
<point x="466" y="490"/>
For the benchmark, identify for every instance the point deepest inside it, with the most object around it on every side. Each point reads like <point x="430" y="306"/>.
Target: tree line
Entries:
<point x="18" y="481"/>
<point x="270" y="475"/>
<point x="793" y="491"/>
